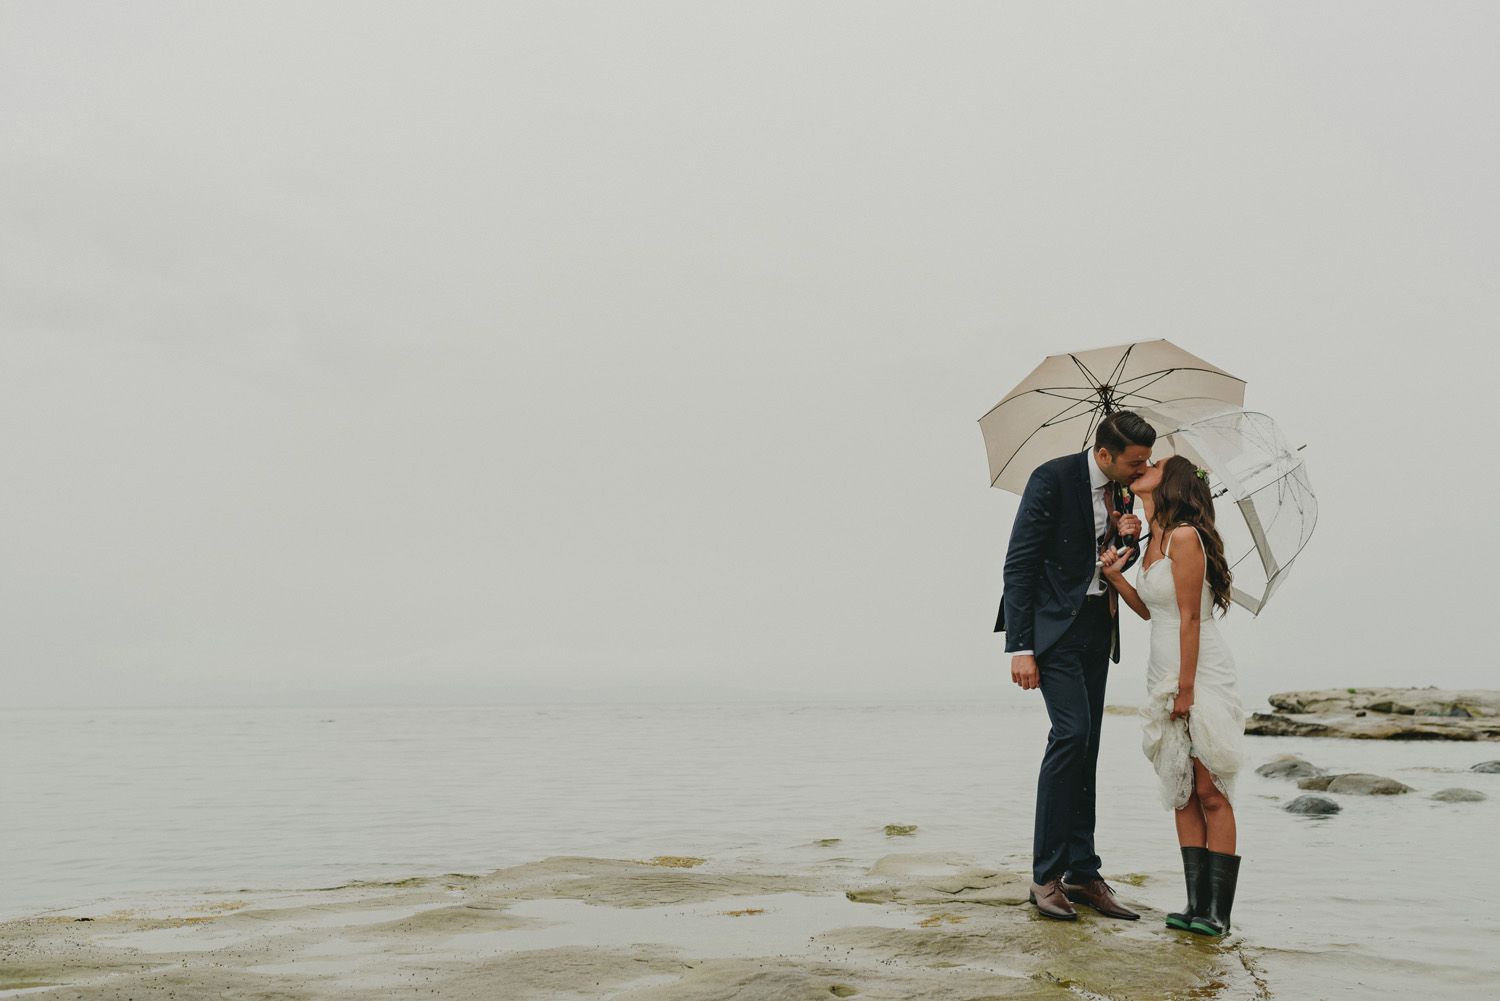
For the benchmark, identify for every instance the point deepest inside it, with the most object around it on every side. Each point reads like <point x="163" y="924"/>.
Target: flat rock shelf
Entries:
<point x="933" y="926"/>
<point x="1382" y="714"/>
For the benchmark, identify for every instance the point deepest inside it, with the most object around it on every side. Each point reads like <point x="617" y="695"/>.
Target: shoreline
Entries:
<point x="666" y="929"/>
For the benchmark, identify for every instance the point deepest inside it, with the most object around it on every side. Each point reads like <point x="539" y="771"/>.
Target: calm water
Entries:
<point x="100" y="805"/>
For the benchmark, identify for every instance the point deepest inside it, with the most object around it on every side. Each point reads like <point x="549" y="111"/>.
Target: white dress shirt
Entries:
<point x="1100" y="485"/>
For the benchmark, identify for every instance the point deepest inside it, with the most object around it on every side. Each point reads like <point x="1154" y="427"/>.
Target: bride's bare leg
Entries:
<point x="1192" y="832"/>
<point x="1218" y="815"/>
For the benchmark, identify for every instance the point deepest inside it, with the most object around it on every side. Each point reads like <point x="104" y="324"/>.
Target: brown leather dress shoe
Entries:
<point x="1051" y="901"/>
<point x="1097" y="894"/>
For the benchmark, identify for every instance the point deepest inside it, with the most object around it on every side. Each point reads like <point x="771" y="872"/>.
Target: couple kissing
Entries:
<point x="1075" y="536"/>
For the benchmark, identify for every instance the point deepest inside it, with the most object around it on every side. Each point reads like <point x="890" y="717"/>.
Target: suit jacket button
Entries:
<point x="1074" y="612"/>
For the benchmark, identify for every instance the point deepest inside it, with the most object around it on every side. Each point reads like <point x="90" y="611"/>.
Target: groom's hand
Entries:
<point x="1023" y="671"/>
<point x="1126" y="524"/>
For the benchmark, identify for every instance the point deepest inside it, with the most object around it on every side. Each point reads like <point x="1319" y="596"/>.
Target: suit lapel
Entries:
<point x="1083" y="496"/>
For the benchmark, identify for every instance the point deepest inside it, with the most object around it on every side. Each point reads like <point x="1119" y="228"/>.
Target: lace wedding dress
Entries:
<point x="1214" y="730"/>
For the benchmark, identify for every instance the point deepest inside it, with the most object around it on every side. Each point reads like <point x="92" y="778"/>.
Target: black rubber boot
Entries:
<point x="1223" y="874"/>
<point x="1193" y="869"/>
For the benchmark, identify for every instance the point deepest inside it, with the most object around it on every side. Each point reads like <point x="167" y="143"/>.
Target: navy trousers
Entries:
<point x="1073" y="674"/>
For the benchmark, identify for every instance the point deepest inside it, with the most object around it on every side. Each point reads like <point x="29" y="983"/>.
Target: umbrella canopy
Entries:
<point x="1250" y="461"/>
<point x="1056" y="408"/>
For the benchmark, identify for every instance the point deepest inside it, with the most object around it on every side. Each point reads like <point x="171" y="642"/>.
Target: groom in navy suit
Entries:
<point x="1061" y="630"/>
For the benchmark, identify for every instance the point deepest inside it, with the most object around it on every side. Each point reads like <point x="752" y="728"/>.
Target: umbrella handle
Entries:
<point x="1126" y="542"/>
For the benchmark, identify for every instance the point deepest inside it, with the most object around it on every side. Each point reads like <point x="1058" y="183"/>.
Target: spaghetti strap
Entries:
<point x="1166" y="546"/>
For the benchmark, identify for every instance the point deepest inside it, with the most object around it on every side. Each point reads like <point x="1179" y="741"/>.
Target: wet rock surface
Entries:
<point x="1382" y="714"/>
<point x="1289" y="768"/>
<point x="1441" y="702"/>
<point x="1486" y="766"/>
<point x="1312" y="806"/>
<point x="1355" y="783"/>
<point x="1458" y="796"/>
<point x="935" y="926"/>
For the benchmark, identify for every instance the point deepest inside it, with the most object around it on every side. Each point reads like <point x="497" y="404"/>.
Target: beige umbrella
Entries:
<point x="1056" y="408"/>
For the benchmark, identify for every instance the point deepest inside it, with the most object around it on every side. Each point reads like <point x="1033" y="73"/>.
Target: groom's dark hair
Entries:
<point x="1121" y="429"/>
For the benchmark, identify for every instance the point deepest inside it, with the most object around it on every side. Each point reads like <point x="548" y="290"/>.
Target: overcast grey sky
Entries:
<point x="628" y="344"/>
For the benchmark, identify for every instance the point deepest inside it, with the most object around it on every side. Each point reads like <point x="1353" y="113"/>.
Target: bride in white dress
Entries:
<point x="1192" y="720"/>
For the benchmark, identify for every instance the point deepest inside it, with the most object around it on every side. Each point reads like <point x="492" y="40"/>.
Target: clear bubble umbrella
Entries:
<point x="1055" y="409"/>
<point x="1250" y="462"/>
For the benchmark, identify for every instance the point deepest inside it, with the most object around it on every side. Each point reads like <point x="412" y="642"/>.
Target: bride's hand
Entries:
<point x="1182" y="704"/>
<point x="1113" y="562"/>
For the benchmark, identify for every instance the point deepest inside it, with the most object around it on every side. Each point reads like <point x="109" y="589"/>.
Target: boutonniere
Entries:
<point x="1125" y="497"/>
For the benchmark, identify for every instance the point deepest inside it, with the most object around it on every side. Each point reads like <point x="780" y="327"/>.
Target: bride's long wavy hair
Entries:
<point x="1183" y="498"/>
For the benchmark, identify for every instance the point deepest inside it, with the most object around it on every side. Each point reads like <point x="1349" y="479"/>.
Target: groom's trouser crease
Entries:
<point x="1073" y="676"/>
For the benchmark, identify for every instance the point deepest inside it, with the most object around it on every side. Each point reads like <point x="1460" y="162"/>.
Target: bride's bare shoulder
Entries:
<point x="1184" y="539"/>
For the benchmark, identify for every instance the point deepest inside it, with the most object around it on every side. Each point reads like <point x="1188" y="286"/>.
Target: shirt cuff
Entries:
<point x="1023" y="653"/>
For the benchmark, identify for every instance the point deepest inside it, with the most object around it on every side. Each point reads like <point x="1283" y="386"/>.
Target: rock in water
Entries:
<point x="1458" y="796"/>
<point x="1471" y="703"/>
<point x="1290" y="768"/>
<point x="1486" y="766"/>
<point x="1312" y="806"/>
<point x="1382" y="713"/>
<point x="1356" y="784"/>
<point x="1367" y="785"/>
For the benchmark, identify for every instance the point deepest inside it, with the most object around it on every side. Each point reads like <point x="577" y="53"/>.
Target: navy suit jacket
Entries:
<point x="1051" y="557"/>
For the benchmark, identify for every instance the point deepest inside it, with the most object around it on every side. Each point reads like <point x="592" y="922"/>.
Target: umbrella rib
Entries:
<point x="1060" y="390"/>
<point x="1114" y="376"/>
<point x="1159" y="376"/>
<point x="1054" y="422"/>
<point x="1104" y="400"/>
<point x="1085" y="370"/>
<point x="1049" y="422"/>
<point x="1042" y="391"/>
<point x="1139" y="396"/>
<point x="996" y="478"/>
<point x="1054" y="391"/>
<point x="1154" y="376"/>
<point x="1184" y="368"/>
